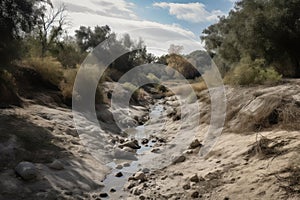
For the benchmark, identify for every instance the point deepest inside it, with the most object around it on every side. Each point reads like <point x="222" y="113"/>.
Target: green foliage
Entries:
<point x="68" y="53"/>
<point x="49" y="68"/>
<point x="180" y="64"/>
<point x="132" y="89"/>
<point x="16" y="17"/>
<point x="249" y="72"/>
<point x="151" y="77"/>
<point x="259" y="29"/>
<point x="88" y="39"/>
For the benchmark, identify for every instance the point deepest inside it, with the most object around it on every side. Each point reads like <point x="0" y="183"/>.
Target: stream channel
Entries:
<point x="143" y="154"/>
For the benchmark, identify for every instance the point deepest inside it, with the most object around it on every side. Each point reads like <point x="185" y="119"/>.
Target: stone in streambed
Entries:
<point x="194" y="178"/>
<point x="178" y="159"/>
<point x="119" y="174"/>
<point x="195" y="144"/>
<point x="140" y="176"/>
<point x="57" y="165"/>
<point x="132" y="144"/>
<point x="26" y="170"/>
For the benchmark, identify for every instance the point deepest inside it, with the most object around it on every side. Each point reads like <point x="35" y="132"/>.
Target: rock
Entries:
<point x="178" y="159"/>
<point x="130" y="185"/>
<point x="195" y="194"/>
<point x="155" y="150"/>
<point x="188" y="151"/>
<point x="128" y="149"/>
<point x="126" y="164"/>
<point x="178" y="174"/>
<point x="142" y="197"/>
<point x="195" y="144"/>
<point x="144" y="141"/>
<point x="226" y="198"/>
<point x="112" y="190"/>
<point x="69" y="193"/>
<point x="137" y="191"/>
<point x="119" y="174"/>
<point x="103" y="195"/>
<point x="57" y="165"/>
<point x="140" y="176"/>
<point x="186" y="187"/>
<point x="119" y="167"/>
<point x="132" y="144"/>
<point x="26" y="170"/>
<point x="146" y="170"/>
<point x="121" y="154"/>
<point x="194" y="178"/>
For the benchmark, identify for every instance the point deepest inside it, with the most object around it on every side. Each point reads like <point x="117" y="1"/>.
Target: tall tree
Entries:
<point x="259" y="29"/>
<point x="87" y="39"/>
<point x="51" y="24"/>
<point x="16" y="18"/>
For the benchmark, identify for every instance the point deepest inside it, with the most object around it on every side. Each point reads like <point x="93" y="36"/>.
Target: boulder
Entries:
<point x="26" y="170"/>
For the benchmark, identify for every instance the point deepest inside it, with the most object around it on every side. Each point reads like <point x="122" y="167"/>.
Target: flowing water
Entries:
<point x="142" y="154"/>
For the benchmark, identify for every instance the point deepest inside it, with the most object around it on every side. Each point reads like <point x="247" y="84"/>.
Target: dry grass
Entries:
<point x="66" y="86"/>
<point x="49" y="68"/>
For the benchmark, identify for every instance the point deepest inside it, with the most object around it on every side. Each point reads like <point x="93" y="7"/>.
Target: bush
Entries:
<point x="49" y="68"/>
<point x="252" y="72"/>
<point x="8" y="90"/>
<point x="132" y="89"/>
<point x="151" y="77"/>
<point x="66" y="86"/>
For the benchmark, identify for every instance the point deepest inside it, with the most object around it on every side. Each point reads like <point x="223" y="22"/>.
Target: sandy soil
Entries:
<point x="256" y="157"/>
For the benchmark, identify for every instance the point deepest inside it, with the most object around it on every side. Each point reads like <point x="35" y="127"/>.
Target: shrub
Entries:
<point x="151" y="77"/>
<point x="132" y="89"/>
<point x="66" y="86"/>
<point x="252" y="72"/>
<point x="49" y="68"/>
<point x="8" y="90"/>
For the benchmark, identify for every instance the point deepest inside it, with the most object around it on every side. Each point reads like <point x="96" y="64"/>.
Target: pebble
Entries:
<point x="194" y="178"/>
<point x="186" y="187"/>
<point x="195" y="194"/>
<point x="140" y="176"/>
<point x="103" y="195"/>
<point x="119" y="167"/>
<point x="126" y="164"/>
<point x="178" y="159"/>
<point x="119" y="174"/>
<point x="195" y="144"/>
<point x="57" y="165"/>
<point x="112" y="190"/>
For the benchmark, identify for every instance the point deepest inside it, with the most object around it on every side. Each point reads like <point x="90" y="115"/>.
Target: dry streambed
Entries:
<point x="256" y="157"/>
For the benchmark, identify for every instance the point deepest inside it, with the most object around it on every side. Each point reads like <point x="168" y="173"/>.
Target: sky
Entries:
<point x="158" y="23"/>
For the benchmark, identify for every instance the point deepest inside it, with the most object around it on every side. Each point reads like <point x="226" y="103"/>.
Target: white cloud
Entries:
<point x="115" y="8"/>
<point x="191" y="12"/>
<point x="157" y="36"/>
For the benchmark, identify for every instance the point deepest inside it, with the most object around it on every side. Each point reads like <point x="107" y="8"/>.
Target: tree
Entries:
<point x="50" y="26"/>
<point x="67" y="52"/>
<point x="87" y="39"/>
<point x="16" y="18"/>
<point x="258" y="29"/>
<point x="175" y="49"/>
